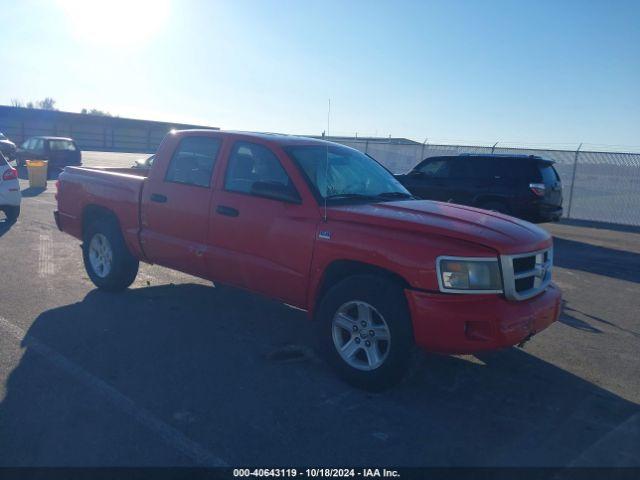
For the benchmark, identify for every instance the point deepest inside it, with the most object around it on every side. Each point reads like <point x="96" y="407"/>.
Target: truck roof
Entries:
<point x="277" y="138"/>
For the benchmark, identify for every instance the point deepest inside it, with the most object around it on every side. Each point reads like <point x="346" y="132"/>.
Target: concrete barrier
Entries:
<point x="91" y="132"/>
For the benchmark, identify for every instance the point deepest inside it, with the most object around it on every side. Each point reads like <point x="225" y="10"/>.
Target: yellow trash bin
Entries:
<point x="37" y="173"/>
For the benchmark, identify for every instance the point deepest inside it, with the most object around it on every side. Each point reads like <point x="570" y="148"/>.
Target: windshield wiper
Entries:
<point x="357" y="196"/>
<point x="408" y="196"/>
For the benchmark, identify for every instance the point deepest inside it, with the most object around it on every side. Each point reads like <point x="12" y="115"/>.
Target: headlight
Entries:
<point x="469" y="275"/>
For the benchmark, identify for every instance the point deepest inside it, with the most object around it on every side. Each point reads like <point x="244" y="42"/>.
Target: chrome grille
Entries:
<point x="526" y="274"/>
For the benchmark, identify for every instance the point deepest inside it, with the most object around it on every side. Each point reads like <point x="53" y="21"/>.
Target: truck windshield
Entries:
<point x="341" y="174"/>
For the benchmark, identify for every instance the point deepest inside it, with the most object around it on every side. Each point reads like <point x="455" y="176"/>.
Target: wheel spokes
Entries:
<point x="345" y="322"/>
<point x="364" y="312"/>
<point x="380" y="332"/>
<point x="349" y="349"/>
<point x="373" y="356"/>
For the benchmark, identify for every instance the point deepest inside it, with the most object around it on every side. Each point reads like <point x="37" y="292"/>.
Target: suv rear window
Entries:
<point x="549" y="174"/>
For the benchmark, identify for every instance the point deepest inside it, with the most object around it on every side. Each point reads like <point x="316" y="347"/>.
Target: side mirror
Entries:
<point x="275" y="191"/>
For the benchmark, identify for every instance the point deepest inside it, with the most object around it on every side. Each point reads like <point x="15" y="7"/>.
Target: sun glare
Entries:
<point x="116" y="23"/>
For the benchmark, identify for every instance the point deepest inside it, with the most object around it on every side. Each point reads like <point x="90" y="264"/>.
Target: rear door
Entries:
<point x="492" y="178"/>
<point x="175" y="205"/>
<point x="62" y="152"/>
<point x="461" y="185"/>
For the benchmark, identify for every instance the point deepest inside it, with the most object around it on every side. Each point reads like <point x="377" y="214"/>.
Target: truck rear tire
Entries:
<point x="107" y="259"/>
<point x="12" y="213"/>
<point x="366" y="331"/>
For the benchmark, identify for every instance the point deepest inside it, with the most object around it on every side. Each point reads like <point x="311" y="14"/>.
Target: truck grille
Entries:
<point x="526" y="274"/>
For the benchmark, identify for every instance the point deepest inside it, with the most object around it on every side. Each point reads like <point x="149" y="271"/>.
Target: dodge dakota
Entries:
<point x="325" y="228"/>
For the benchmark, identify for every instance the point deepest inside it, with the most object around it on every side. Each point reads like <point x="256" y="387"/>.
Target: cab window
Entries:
<point x="436" y="168"/>
<point x="250" y="163"/>
<point x="193" y="161"/>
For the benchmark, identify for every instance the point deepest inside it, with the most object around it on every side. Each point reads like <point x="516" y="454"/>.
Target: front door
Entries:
<point x="175" y="206"/>
<point x="430" y="180"/>
<point x="261" y="243"/>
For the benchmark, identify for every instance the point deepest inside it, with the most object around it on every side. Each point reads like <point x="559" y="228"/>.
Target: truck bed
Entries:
<point x="115" y="189"/>
<point x="138" y="172"/>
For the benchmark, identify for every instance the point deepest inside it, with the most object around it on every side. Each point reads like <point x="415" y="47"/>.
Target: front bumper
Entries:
<point x="458" y="324"/>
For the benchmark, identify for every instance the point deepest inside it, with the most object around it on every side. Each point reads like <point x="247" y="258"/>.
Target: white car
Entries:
<point x="9" y="190"/>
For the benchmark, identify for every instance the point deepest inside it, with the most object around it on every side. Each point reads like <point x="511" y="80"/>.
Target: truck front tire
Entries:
<point x="366" y="331"/>
<point x="107" y="259"/>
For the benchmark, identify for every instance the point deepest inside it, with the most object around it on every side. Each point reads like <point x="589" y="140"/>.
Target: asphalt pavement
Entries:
<point x="177" y="372"/>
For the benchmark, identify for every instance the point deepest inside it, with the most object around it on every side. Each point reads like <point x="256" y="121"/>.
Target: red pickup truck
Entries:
<point x="327" y="229"/>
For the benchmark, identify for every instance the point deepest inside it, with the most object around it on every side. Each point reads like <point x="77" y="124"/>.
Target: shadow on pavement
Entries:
<point x="32" y="191"/>
<point x="601" y="225"/>
<point x="570" y="316"/>
<point x="202" y="360"/>
<point x="610" y="262"/>
<point x="5" y="225"/>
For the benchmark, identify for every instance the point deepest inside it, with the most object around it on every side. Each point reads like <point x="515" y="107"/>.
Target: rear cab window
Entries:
<point x="193" y="161"/>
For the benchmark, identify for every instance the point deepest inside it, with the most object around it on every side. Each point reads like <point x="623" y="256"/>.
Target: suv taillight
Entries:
<point x="10" y="174"/>
<point x="538" y="189"/>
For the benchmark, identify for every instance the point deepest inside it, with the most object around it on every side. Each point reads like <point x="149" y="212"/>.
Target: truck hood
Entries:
<point x="505" y="234"/>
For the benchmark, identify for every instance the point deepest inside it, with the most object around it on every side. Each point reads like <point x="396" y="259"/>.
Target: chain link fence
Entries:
<point x="597" y="186"/>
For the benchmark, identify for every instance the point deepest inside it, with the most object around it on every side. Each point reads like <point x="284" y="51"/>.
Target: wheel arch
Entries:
<point x="92" y="212"/>
<point x="338" y="270"/>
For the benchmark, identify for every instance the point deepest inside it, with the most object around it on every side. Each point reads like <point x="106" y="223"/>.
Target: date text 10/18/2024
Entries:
<point x="316" y="472"/>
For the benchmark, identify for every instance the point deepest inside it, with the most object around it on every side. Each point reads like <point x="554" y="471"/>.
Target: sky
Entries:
<point x="519" y="72"/>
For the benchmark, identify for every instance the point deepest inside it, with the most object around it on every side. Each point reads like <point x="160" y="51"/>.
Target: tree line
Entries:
<point x="49" y="103"/>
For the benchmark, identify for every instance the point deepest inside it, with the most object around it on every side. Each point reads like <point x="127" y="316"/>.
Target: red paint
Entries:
<point x="273" y="247"/>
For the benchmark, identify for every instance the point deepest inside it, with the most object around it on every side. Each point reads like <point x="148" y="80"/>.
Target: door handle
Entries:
<point x="156" y="197"/>
<point x="228" y="211"/>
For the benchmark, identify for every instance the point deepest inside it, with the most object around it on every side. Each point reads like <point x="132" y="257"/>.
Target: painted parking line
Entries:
<point x="45" y="256"/>
<point x="172" y="437"/>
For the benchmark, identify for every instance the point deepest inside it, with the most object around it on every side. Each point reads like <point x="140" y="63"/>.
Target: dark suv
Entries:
<point x="524" y="186"/>
<point x="59" y="151"/>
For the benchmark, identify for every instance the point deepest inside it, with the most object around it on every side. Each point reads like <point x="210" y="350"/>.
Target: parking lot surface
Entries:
<point x="176" y="372"/>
